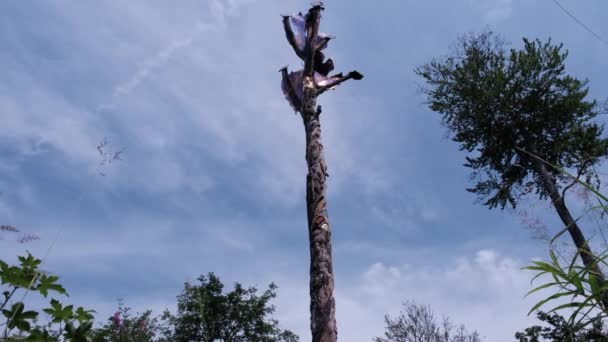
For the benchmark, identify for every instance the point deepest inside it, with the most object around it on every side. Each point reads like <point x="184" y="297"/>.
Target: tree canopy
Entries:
<point x="205" y="313"/>
<point x="494" y="101"/>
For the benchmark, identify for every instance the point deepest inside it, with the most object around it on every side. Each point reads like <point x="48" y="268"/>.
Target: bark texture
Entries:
<point x="322" y="304"/>
<point x="303" y="97"/>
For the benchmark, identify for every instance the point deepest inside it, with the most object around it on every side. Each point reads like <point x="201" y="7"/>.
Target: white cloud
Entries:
<point x="5" y="209"/>
<point x="403" y="212"/>
<point x="493" y="11"/>
<point x="206" y="84"/>
<point x="220" y="11"/>
<point x="484" y="292"/>
<point x="158" y="61"/>
<point x="38" y="116"/>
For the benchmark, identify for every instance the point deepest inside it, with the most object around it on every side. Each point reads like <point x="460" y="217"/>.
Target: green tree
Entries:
<point x="206" y="314"/>
<point x="560" y="330"/>
<point x="503" y="108"/>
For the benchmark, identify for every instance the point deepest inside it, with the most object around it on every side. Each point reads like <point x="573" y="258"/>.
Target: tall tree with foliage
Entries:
<point x="301" y="89"/>
<point x="206" y="314"/>
<point x="506" y="108"/>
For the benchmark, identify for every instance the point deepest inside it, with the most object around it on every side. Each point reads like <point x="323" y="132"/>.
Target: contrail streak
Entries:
<point x="220" y="9"/>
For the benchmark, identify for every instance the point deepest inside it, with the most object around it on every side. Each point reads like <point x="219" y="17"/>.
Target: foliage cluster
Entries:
<point x="72" y="325"/>
<point x="204" y="314"/>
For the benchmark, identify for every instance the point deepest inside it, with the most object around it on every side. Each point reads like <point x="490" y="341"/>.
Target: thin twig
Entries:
<point x="578" y="176"/>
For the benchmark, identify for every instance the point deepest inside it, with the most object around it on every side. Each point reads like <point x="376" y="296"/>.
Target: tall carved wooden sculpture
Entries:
<point x="301" y="89"/>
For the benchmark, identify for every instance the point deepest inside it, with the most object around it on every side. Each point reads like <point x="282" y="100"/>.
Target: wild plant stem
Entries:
<point x="9" y="297"/>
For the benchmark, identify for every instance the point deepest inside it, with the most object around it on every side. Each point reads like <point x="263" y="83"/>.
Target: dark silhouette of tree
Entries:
<point x="417" y="323"/>
<point x="505" y="108"/>
<point x="560" y="330"/>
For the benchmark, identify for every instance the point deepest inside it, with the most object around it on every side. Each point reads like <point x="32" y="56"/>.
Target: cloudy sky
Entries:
<point x="212" y="173"/>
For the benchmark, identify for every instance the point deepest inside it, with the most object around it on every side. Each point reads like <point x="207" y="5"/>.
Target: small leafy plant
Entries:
<point x="124" y="327"/>
<point x="73" y="325"/>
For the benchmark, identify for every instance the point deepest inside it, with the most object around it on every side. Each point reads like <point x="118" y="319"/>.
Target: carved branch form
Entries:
<point x="302" y="33"/>
<point x="355" y="75"/>
<point x="323" y="68"/>
<point x="301" y="88"/>
<point x="289" y="90"/>
<point x="321" y="42"/>
<point x="291" y="37"/>
<point x="312" y="31"/>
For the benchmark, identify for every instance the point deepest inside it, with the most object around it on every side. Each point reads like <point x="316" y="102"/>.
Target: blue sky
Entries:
<point x="213" y="169"/>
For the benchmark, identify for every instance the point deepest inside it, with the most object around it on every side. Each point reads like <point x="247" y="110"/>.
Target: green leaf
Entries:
<point x="544" y="286"/>
<point x="29" y="262"/>
<point x="37" y="335"/>
<point x="594" y="284"/>
<point x="83" y="315"/>
<point x="552" y="297"/>
<point x="17" y="318"/>
<point x="58" y="312"/>
<point x="576" y="281"/>
<point x="46" y="283"/>
<point x="4" y="272"/>
<point x="553" y="258"/>
<point x="550" y="269"/>
<point x="80" y="333"/>
<point x="568" y="305"/>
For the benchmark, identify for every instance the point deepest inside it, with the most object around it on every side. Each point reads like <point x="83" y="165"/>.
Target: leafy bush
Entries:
<point x="73" y="325"/>
<point x="123" y="327"/>
<point x="204" y="313"/>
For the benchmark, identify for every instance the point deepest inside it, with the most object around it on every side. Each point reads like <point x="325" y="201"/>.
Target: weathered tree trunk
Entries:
<point x="589" y="259"/>
<point x="302" y="33"/>
<point x="322" y="304"/>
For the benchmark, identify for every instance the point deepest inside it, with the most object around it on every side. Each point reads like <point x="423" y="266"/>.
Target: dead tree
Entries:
<point x="301" y="89"/>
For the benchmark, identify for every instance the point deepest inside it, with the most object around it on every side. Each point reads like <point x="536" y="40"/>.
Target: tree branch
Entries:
<point x="291" y="93"/>
<point x="9" y="297"/>
<point x="312" y="30"/>
<point x="355" y="75"/>
<point x="291" y="38"/>
<point x="323" y="42"/>
<point x="579" y="173"/>
<point x="323" y="68"/>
